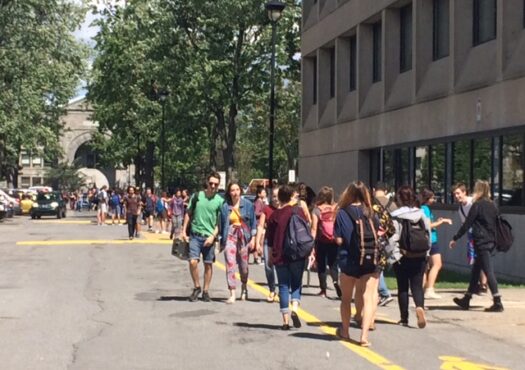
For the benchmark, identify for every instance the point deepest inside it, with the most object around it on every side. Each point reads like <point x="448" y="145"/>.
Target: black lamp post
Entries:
<point x="275" y="11"/>
<point x="163" y="96"/>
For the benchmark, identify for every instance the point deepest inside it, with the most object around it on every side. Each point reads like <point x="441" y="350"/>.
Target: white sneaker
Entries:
<point x="431" y="294"/>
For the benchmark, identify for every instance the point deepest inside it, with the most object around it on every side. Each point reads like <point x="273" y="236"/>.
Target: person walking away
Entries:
<point x="323" y="217"/>
<point x="289" y="272"/>
<point x="260" y="203"/>
<point x="203" y="212"/>
<point x="115" y="207"/>
<point x="482" y="219"/>
<point x="150" y="201"/>
<point x="383" y="206"/>
<point x="177" y="214"/>
<point x="132" y="208"/>
<point x="262" y="243"/>
<point x="140" y="218"/>
<point x="102" y="208"/>
<point x="435" y="263"/>
<point x="356" y="234"/>
<point x="409" y="249"/>
<point x="238" y="231"/>
<point x="161" y="209"/>
<point x="465" y="203"/>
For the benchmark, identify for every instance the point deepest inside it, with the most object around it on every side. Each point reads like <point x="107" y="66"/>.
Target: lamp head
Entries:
<point x="275" y="10"/>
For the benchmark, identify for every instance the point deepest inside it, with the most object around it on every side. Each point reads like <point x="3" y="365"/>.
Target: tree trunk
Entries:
<point x="149" y="165"/>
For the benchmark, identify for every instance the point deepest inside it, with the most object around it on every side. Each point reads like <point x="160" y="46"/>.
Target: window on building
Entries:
<point x="482" y="160"/>
<point x="37" y="161"/>
<point x="332" y="72"/>
<point x="484" y="21"/>
<point x="438" y="168"/>
<point x="25" y="158"/>
<point x="405" y="47"/>
<point x="376" y="51"/>
<point x="513" y="164"/>
<point x="353" y="63"/>
<point x="314" y="79"/>
<point x="440" y="29"/>
<point x="37" y="181"/>
<point x="388" y="168"/>
<point x="25" y="181"/>
<point x="422" y="167"/>
<point x="461" y="162"/>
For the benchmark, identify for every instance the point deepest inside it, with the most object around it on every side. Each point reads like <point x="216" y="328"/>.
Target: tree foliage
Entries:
<point x="41" y="65"/>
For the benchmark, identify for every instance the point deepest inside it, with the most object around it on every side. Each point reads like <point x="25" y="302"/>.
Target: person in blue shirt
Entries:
<point x="427" y="198"/>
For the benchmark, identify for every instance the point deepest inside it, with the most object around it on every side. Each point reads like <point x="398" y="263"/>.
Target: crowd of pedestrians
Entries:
<point x="353" y="241"/>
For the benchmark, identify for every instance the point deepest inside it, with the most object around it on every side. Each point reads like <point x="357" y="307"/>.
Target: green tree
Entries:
<point x="65" y="177"/>
<point x="41" y="65"/>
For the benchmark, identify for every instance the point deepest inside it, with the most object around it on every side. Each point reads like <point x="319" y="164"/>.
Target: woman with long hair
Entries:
<point x="482" y="219"/>
<point x="238" y="230"/>
<point x="323" y="217"/>
<point x="427" y="199"/>
<point x="356" y="234"/>
<point x="409" y="266"/>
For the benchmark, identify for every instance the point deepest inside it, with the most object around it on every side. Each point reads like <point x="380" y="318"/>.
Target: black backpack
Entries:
<point x="414" y="237"/>
<point x="298" y="241"/>
<point x="504" y="237"/>
<point x="365" y="237"/>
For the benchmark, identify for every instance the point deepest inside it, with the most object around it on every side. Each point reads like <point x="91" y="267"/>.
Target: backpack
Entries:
<point x="365" y="236"/>
<point x="159" y="205"/>
<point x="414" y="237"/>
<point x="114" y="200"/>
<point x="504" y="237"/>
<point x="385" y="220"/>
<point x="325" y="229"/>
<point x="102" y="195"/>
<point x="298" y="241"/>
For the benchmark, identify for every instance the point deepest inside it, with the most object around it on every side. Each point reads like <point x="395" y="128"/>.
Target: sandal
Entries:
<point x="271" y="297"/>
<point x="295" y="319"/>
<point x="340" y="336"/>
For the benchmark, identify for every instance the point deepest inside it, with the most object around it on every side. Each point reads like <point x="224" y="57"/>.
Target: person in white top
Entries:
<point x="465" y="203"/>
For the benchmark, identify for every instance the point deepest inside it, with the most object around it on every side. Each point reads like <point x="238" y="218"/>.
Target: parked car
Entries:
<point x="48" y="204"/>
<point x="11" y="204"/>
<point x="3" y="212"/>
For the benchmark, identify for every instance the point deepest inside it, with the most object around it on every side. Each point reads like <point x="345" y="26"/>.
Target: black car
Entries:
<point x="48" y="204"/>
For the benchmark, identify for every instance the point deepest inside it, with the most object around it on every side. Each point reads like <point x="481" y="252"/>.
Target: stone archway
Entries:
<point x="94" y="177"/>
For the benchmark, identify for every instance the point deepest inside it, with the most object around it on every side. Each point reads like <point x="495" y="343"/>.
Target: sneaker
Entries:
<point x="195" y="294"/>
<point x="383" y="301"/>
<point x="295" y="320"/>
<point x="431" y="294"/>
<point x="206" y="296"/>
<point x="421" y="319"/>
<point x="403" y="323"/>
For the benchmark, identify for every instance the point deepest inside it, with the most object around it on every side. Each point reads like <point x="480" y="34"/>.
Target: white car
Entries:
<point x="9" y="203"/>
<point x="3" y="207"/>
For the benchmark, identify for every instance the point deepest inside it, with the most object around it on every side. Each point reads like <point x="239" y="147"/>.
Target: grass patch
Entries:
<point x="450" y="280"/>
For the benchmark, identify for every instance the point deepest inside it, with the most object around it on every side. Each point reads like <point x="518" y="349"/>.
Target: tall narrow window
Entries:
<point x="405" y="39"/>
<point x="376" y="52"/>
<point x="314" y="79"/>
<point x="332" y="72"/>
<point x="440" y="29"/>
<point x="353" y="63"/>
<point x="484" y="21"/>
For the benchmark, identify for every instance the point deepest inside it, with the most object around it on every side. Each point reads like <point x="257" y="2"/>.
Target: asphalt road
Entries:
<point x="74" y="295"/>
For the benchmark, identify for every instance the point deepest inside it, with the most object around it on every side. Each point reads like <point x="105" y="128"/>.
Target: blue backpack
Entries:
<point x="298" y="241"/>
<point x="159" y="206"/>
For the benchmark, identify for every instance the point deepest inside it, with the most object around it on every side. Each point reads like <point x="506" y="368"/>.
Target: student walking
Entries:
<point x="356" y="234"/>
<point x="262" y="243"/>
<point x="177" y="214"/>
<point x="289" y="272"/>
<point x="482" y="219"/>
<point x="238" y="230"/>
<point x="203" y="215"/>
<point x="427" y="199"/>
<point x="132" y="207"/>
<point x="323" y="217"/>
<point x="410" y="245"/>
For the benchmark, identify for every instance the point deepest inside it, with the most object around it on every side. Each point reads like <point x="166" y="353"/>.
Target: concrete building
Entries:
<point x="75" y="142"/>
<point x="419" y="92"/>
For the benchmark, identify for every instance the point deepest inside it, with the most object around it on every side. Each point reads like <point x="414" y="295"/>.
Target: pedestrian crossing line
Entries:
<point x="57" y="243"/>
<point x="366" y="353"/>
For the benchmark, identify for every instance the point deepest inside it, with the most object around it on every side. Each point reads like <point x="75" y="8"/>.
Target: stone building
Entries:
<point x="419" y="92"/>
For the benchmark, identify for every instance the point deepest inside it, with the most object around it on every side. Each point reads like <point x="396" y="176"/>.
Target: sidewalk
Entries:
<point x="507" y="326"/>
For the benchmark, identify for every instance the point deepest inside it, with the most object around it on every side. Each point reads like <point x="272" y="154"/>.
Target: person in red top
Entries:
<point x="262" y="244"/>
<point x="289" y="273"/>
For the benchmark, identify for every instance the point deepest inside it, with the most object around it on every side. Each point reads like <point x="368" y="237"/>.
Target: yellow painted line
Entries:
<point x="90" y="242"/>
<point x="459" y="363"/>
<point x="366" y="353"/>
<point x="72" y="222"/>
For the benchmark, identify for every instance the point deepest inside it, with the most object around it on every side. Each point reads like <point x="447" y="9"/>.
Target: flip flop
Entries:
<point x="296" y="322"/>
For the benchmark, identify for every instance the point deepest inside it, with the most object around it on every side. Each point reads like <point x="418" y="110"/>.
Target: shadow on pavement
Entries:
<point x="451" y="308"/>
<point x="257" y="326"/>
<point x="315" y="336"/>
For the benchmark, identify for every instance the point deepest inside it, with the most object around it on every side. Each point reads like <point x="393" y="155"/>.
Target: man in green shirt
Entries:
<point x="203" y="214"/>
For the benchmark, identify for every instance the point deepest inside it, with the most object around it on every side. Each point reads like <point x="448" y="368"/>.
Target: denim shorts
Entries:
<point x="197" y="248"/>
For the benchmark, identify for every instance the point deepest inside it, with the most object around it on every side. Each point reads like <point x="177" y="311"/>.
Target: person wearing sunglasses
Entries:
<point x="203" y="218"/>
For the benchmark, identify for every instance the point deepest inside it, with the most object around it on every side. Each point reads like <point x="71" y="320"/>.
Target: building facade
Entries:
<point x="419" y="92"/>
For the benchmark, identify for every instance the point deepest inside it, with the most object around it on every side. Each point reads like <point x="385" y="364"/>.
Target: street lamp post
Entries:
<point x="275" y="10"/>
<point x="162" y="96"/>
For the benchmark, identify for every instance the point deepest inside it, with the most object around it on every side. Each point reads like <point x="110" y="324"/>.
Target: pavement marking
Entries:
<point x="366" y="353"/>
<point x="90" y="242"/>
<point x="459" y="363"/>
